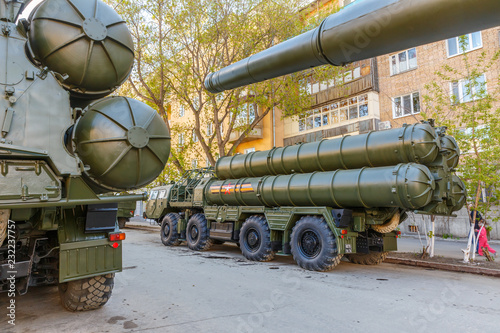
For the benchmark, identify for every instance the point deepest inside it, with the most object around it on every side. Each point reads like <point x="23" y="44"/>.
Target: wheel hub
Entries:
<point x="194" y="232"/>
<point x="309" y="244"/>
<point x="252" y="240"/>
<point x="166" y="230"/>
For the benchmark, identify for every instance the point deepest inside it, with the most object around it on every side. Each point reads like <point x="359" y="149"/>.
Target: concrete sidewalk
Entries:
<point x="450" y="248"/>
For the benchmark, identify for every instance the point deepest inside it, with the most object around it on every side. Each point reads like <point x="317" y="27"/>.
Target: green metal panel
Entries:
<point x="390" y="242"/>
<point x="408" y="186"/>
<point x="363" y="30"/>
<point x="9" y="10"/>
<point x="126" y="208"/>
<point x="28" y="182"/>
<point x="411" y="143"/>
<point x="279" y="220"/>
<point x="88" y="258"/>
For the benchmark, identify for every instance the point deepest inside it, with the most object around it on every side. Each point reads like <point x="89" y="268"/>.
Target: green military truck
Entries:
<point x="317" y="201"/>
<point x="64" y="148"/>
<point x="324" y="200"/>
<point x="125" y="211"/>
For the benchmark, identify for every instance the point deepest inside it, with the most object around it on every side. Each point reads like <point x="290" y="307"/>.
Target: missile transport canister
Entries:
<point x="323" y="200"/>
<point x="64" y="148"/>
<point x="415" y="143"/>
<point x="406" y="186"/>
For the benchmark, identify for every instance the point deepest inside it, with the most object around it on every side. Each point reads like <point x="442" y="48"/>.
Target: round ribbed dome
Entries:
<point x="123" y="142"/>
<point x="450" y="145"/>
<point x="85" y="39"/>
<point x="459" y="193"/>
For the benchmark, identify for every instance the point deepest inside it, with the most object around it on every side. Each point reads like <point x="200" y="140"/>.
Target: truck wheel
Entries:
<point x="313" y="244"/>
<point x="168" y="233"/>
<point x="373" y="258"/>
<point x="122" y="221"/>
<point x="86" y="294"/>
<point x="255" y="239"/>
<point x="197" y="233"/>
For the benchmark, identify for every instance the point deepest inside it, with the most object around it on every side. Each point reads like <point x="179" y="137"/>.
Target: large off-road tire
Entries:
<point x="122" y="221"/>
<point x="255" y="239"/>
<point x="168" y="233"/>
<point x="372" y="258"/>
<point x="313" y="244"/>
<point x="86" y="294"/>
<point x="197" y="233"/>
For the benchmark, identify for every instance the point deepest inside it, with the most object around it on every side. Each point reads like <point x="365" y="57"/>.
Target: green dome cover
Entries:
<point x="85" y="39"/>
<point x="124" y="143"/>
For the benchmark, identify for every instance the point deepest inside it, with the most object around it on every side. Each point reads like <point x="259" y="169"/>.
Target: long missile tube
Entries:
<point x="413" y="143"/>
<point x="363" y="30"/>
<point x="408" y="186"/>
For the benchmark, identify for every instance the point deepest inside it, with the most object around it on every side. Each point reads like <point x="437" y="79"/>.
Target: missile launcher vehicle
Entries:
<point x="317" y="201"/>
<point x="324" y="200"/>
<point x="65" y="148"/>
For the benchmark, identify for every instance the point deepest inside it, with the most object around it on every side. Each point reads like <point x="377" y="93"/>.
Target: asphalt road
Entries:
<point x="175" y="290"/>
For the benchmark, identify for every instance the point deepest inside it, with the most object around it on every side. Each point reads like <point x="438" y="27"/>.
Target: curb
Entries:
<point x="453" y="240"/>
<point x="444" y="266"/>
<point x="142" y="227"/>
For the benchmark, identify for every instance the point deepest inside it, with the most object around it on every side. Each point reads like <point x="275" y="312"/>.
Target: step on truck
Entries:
<point x="64" y="147"/>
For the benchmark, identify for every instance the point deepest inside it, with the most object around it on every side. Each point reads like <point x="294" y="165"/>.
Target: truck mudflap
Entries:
<point x="362" y="244"/>
<point x="78" y="260"/>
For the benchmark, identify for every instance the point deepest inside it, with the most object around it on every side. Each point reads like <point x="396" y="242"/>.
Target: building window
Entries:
<point x="247" y="114"/>
<point x="406" y="105"/>
<point x="210" y="129"/>
<point x="196" y="103"/>
<point x="181" y="139"/>
<point x="195" y="137"/>
<point x="208" y="162"/>
<point x="313" y="87"/>
<point x="466" y="43"/>
<point x="464" y="91"/>
<point x="403" y="61"/>
<point x="351" y="108"/>
<point x="249" y="150"/>
<point x="182" y="111"/>
<point x="194" y="163"/>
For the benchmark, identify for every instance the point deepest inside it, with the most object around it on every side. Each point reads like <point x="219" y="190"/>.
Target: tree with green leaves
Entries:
<point x="462" y="100"/>
<point x="178" y="43"/>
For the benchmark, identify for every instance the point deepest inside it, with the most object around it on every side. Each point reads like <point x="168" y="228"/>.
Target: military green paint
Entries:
<point x="365" y="29"/>
<point x="46" y="183"/>
<point x="97" y="62"/>
<point x="88" y="258"/>
<point x="412" y="143"/>
<point x="124" y="142"/>
<point x="407" y="186"/>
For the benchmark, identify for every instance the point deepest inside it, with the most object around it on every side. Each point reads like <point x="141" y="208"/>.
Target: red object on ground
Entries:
<point x="483" y="242"/>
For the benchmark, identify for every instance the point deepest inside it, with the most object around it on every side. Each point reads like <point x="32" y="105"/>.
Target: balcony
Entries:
<point x="255" y="134"/>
